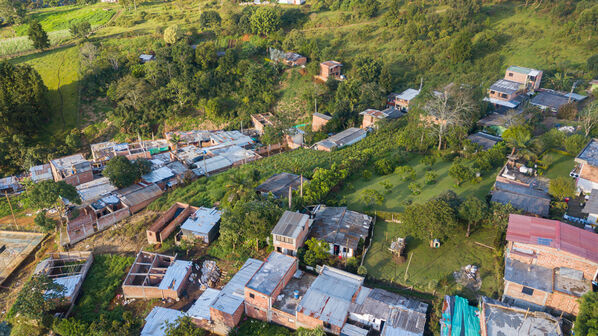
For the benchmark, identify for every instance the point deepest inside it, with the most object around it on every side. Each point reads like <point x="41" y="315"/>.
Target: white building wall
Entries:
<point x="586" y="186"/>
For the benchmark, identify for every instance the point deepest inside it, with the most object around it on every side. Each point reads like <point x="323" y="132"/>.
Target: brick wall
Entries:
<point x="368" y="121"/>
<point x="112" y="218"/>
<point x="259" y="313"/>
<point x="284" y="319"/>
<point x="563" y="302"/>
<point x="317" y="123"/>
<point x="514" y="290"/>
<point x="258" y="300"/>
<point x="228" y="320"/>
<point x="77" y="179"/>
<point x="552" y="258"/>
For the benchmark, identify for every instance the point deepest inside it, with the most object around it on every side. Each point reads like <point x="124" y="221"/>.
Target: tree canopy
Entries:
<point x="45" y="194"/>
<point x="586" y="323"/>
<point x="122" y="172"/>
<point x="561" y="187"/>
<point x="38" y="35"/>
<point x="39" y="296"/>
<point x="433" y="219"/>
<point x="23" y="106"/>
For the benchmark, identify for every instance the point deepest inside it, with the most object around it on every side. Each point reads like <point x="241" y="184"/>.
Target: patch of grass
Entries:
<point x="99" y="288"/>
<point x="399" y="195"/>
<point x="60" y="18"/>
<point x="562" y="165"/>
<point x="23" y="43"/>
<point x="59" y="70"/>
<point x="429" y="265"/>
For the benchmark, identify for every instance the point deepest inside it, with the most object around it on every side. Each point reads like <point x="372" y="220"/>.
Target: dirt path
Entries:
<point x="338" y="27"/>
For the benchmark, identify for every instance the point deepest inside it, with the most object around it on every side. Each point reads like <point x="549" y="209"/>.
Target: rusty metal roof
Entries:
<point x="555" y="234"/>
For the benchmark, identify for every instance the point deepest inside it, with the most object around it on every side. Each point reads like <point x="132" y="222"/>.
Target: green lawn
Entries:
<point x="395" y="201"/>
<point x="59" y="18"/>
<point x="428" y="265"/>
<point x="562" y="165"/>
<point x="59" y="71"/>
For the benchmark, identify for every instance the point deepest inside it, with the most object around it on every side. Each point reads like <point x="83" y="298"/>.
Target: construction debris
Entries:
<point x="397" y="247"/>
<point x="210" y="274"/>
<point x="468" y="276"/>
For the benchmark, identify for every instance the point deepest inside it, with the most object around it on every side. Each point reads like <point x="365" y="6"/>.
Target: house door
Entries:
<point x="336" y="249"/>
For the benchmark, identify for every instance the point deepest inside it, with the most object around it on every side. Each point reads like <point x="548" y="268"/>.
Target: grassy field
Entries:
<point x="562" y="165"/>
<point x="395" y="200"/>
<point x="60" y="18"/>
<point x="18" y="44"/>
<point x="59" y="70"/>
<point x="428" y="265"/>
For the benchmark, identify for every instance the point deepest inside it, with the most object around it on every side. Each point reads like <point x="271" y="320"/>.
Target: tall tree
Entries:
<point x="588" y="118"/>
<point x="209" y="19"/>
<point x="517" y="137"/>
<point x="23" y="102"/>
<point x="47" y="194"/>
<point x="561" y="187"/>
<point x="38" y="35"/>
<point x="12" y="11"/>
<point x="472" y="211"/>
<point x="265" y="20"/>
<point x="453" y="108"/>
<point x="433" y="219"/>
<point x="80" y="29"/>
<point x="122" y="172"/>
<point x="183" y="326"/>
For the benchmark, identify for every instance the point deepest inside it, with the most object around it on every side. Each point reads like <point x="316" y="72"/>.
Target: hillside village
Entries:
<point x="236" y="171"/>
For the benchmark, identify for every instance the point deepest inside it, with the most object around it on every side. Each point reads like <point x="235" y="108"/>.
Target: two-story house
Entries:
<point x="289" y="233"/>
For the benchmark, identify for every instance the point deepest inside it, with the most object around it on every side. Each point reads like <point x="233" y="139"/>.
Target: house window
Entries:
<point x="504" y="95"/>
<point x="492" y="92"/>
<point x="510" y="74"/>
<point x="326" y="325"/>
<point x="251" y="295"/>
<point x="527" y="291"/>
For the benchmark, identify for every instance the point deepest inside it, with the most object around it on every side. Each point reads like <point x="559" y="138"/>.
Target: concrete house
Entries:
<point x="330" y="69"/>
<point x="73" y="169"/>
<point x="345" y="138"/>
<point x="318" y="121"/>
<point x="587" y="167"/>
<point x="68" y="269"/>
<point x="372" y="116"/>
<point x="290" y="232"/>
<point x="549" y="264"/>
<point x="341" y="228"/>
<point x="402" y="100"/>
<point x="279" y="184"/>
<point x="156" y="276"/>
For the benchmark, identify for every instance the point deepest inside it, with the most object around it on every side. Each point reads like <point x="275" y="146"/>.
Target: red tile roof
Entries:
<point x="561" y="236"/>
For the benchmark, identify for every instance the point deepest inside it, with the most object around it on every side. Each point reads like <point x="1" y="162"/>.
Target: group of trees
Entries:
<point x="122" y="172"/>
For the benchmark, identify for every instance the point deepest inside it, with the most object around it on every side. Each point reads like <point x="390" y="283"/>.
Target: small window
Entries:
<point x="504" y="95"/>
<point x="527" y="291"/>
<point x="326" y="325"/>
<point x="492" y="92"/>
<point x="251" y="295"/>
<point x="510" y="74"/>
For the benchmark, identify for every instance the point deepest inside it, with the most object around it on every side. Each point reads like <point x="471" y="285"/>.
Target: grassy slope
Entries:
<point x="59" y="71"/>
<point x="562" y="165"/>
<point x="394" y="201"/>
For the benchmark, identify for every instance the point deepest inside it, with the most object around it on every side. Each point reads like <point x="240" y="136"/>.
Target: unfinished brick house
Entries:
<point x="330" y="69"/>
<point x="261" y="121"/>
<point x="508" y="93"/>
<point x="318" y="121"/>
<point x="549" y="264"/>
<point x="530" y="78"/>
<point x="68" y="269"/>
<point x="290" y="232"/>
<point x="402" y="100"/>
<point x="266" y="285"/>
<point x="372" y="116"/>
<point x="168" y="222"/>
<point x="156" y="276"/>
<point x="73" y="169"/>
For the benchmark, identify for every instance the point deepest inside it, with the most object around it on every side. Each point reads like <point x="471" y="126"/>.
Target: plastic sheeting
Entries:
<point x="459" y="318"/>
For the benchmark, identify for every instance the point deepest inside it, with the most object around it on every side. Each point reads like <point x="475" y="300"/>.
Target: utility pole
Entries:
<point x="408" y="263"/>
<point x="11" y="211"/>
<point x="301" y="192"/>
<point x="290" y="197"/>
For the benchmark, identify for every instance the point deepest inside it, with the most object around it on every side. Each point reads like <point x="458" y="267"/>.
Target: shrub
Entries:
<point x="406" y="173"/>
<point x="430" y="177"/>
<point x="415" y="188"/>
<point x="366" y="174"/>
<point x="383" y="167"/>
<point x="387" y="186"/>
<point x="362" y="270"/>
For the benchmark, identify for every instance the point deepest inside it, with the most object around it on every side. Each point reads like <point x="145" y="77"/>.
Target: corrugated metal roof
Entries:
<point x="501" y="319"/>
<point x="273" y="270"/>
<point x="158" y="175"/>
<point x="41" y="173"/>
<point x="291" y="224"/>
<point x="157" y="319"/>
<point x="353" y="330"/>
<point x="561" y="236"/>
<point x="329" y="297"/>
<point x="408" y="94"/>
<point x="340" y="226"/>
<point x="550" y="100"/>
<point x="233" y="293"/>
<point x="138" y="194"/>
<point x="589" y="153"/>
<point x="201" y="307"/>
<point x="323" y="116"/>
<point x="202" y="221"/>
<point x="175" y="275"/>
<point x="521" y="70"/>
<point x="506" y="86"/>
<point x="95" y="189"/>
<point x="529" y="204"/>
